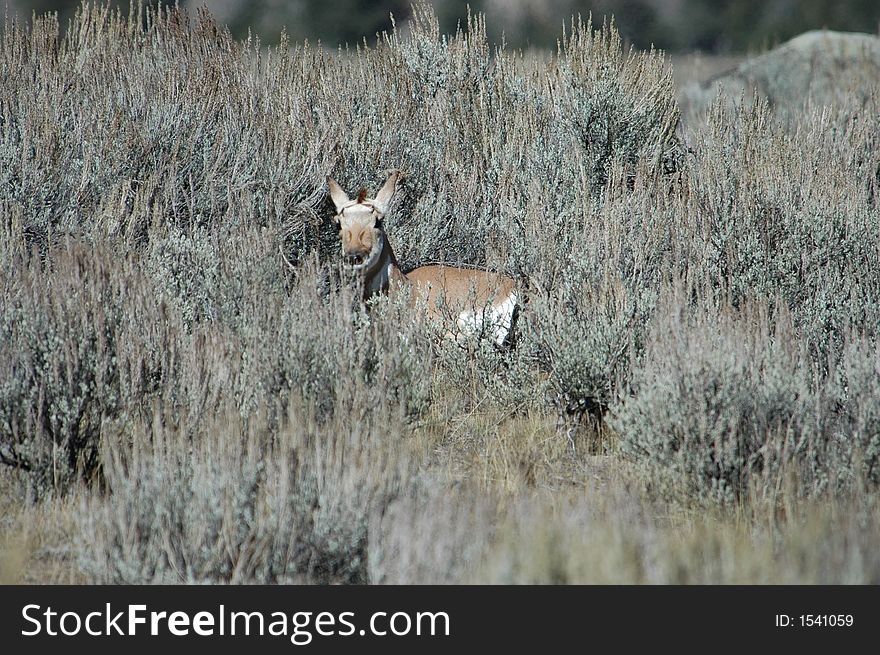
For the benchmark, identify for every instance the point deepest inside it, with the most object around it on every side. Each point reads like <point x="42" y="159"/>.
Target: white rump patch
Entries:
<point x="495" y="321"/>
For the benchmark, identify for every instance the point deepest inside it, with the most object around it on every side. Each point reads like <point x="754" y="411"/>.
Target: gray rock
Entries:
<point x="826" y="68"/>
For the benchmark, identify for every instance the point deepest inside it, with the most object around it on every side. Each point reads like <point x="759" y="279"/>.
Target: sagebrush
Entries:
<point x="183" y="361"/>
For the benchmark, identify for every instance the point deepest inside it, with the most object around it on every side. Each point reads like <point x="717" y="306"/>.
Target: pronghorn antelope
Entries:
<point x="481" y="302"/>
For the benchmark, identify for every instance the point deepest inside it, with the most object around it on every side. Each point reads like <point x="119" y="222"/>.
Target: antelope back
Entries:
<point x="479" y="302"/>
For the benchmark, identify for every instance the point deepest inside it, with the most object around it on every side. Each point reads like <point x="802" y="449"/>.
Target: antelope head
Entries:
<point x="360" y="224"/>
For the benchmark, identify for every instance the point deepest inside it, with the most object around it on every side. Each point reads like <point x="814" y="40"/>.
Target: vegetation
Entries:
<point x="717" y="26"/>
<point x="694" y="395"/>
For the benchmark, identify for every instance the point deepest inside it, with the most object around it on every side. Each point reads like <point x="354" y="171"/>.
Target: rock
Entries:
<point x="824" y="67"/>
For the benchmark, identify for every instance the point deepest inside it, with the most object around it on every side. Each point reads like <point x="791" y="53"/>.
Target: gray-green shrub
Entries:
<point x="155" y="174"/>
<point x="224" y="499"/>
<point x="789" y="216"/>
<point x="80" y="343"/>
<point x="728" y="405"/>
<point x="204" y="156"/>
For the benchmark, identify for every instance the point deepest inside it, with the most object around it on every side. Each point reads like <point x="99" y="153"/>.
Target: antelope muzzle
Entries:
<point x="359" y="245"/>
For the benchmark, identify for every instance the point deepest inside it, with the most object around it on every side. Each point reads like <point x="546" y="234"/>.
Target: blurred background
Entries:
<point x="712" y="26"/>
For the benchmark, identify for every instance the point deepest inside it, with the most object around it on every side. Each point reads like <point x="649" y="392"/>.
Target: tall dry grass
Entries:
<point x="177" y="405"/>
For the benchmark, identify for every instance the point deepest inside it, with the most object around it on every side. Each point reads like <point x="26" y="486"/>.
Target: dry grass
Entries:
<point x="178" y="406"/>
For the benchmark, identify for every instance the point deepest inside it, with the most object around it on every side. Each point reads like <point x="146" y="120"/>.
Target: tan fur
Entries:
<point x="461" y="285"/>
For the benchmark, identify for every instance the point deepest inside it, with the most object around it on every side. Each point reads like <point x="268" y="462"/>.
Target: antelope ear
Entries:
<point x="387" y="191"/>
<point x="339" y="197"/>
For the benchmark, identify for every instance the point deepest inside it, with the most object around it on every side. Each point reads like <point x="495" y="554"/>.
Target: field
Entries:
<point x="694" y="391"/>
